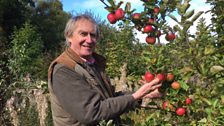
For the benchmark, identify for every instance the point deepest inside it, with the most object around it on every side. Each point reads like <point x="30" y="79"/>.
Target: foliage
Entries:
<point x="26" y="51"/>
<point x="39" y="31"/>
<point x="199" y="68"/>
<point x="13" y="13"/>
<point x="197" y="64"/>
<point x="32" y="119"/>
<point x="50" y="20"/>
<point x="217" y="12"/>
<point x="119" y="47"/>
<point x="188" y="17"/>
<point x="47" y="16"/>
<point x="197" y="61"/>
<point x="153" y="16"/>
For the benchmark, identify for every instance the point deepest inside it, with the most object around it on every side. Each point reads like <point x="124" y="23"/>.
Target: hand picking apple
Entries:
<point x="148" y="90"/>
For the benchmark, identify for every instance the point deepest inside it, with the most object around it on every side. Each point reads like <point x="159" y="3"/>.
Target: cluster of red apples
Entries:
<point x="146" y="25"/>
<point x="175" y="85"/>
<point x="115" y="16"/>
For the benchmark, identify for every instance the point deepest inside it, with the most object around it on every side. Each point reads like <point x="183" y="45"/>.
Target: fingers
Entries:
<point x="146" y="88"/>
<point x="156" y="86"/>
<point x="154" y="94"/>
<point x="142" y="81"/>
<point x="155" y="81"/>
<point x="152" y="83"/>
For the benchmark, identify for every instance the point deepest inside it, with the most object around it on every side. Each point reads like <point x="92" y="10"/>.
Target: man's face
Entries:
<point x="84" y="39"/>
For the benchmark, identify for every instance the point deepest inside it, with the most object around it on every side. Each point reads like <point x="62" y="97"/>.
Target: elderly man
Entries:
<point x="81" y="93"/>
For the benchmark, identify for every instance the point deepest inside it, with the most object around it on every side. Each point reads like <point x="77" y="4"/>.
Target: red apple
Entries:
<point x="136" y="16"/>
<point x="165" y="104"/>
<point x="188" y="101"/>
<point x="170" y="36"/>
<point x="151" y="21"/>
<point x="150" y="40"/>
<point x="180" y="111"/>
<point x="148" y="28"/>
<point x="119" y="14"/>
<point x="156" y="10"/>
<point x="111" y="18"/>
<point x="169" y="77"/>
<point x="175" y="85"/>
<point x="148" y="76"/>
<point x="161" y="77"/>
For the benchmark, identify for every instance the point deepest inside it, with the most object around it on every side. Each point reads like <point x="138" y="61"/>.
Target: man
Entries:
<point x="81" y="93"/>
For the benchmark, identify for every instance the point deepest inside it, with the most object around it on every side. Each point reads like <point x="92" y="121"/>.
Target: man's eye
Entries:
<point x="84" y="34"/>
<point x="93" y="35"/>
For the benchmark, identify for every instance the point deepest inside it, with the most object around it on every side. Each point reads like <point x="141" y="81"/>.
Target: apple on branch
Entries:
<point x="175" y="85"/>
<point x="148" y="76"/>
<point x="170" y="36"/>
<point x="161" y="77"/>
<point x="148" y="29"/>
<point x="119" y="14"/>
<point x="156" y="10"/>
<point x="170" y="77"/>
<point x="180" y="111"/>
<point x="111" y="18"/>
<point x="150" y="40"/>
<point x="136" y="16"/>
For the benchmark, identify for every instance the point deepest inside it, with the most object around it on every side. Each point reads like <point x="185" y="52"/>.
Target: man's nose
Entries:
<point x="88" y="38"/>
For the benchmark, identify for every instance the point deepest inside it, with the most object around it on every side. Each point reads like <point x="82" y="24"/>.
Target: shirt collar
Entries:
<point x="90" y="61"/>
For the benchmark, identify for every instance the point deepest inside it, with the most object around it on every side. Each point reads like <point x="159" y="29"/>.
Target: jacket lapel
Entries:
<point x="100" y="62"/>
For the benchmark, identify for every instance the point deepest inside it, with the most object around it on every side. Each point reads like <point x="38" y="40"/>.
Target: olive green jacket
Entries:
<point x="80" y="96"/>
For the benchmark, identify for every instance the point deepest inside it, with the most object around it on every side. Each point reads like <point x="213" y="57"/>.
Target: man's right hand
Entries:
<point x="148" y="90"/>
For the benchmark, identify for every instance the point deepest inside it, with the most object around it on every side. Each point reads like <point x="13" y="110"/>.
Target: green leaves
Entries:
<point x="112" y="3"/>
<point x="186" y="20"/>
<point x="26" y="51"/>
<point x="173" y="17"/>
<point x="209" y="50"/>
<point x="184" y="85"/>
<point x="197" y="16"/>
<point x="188" y="14"/>
<point x="185" y="6"/>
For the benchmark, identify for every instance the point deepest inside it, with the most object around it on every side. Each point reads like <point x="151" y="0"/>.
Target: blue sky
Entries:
<point x="76" y="6"/>
<point x="97" y="7"/>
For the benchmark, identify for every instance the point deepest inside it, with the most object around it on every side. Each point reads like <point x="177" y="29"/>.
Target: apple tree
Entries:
<point x="191" y="65"/>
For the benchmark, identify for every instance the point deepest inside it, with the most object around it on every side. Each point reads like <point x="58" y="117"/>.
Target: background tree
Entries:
<point x="12" y="14"/>
<point x="120" y="46"/>
<point x="26" y="53"/>
<point x="217" y="11"/>
<point x="50" y="20"/>
<point x="203" y="33"/>
<point x="29" y="45"/>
